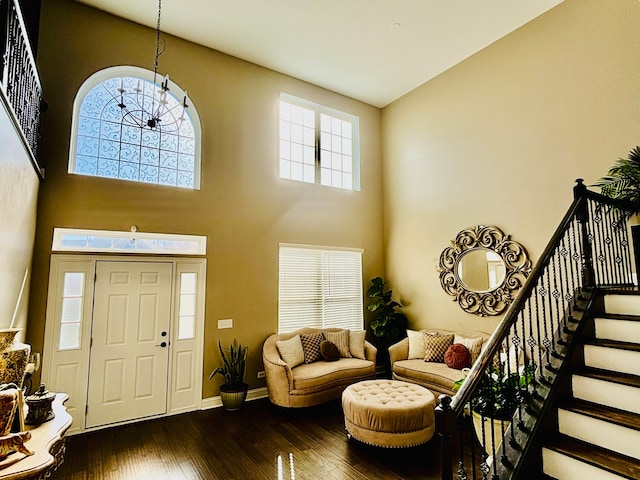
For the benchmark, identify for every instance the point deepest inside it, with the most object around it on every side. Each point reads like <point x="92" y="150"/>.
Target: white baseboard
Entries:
<point x="215" y="402"/>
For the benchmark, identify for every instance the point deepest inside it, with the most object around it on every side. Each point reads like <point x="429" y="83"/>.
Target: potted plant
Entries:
<point x="388" y="325"/>
<point x="233" y="392"/>
<point x="495" y="401"/>
<point x="622" y="182"/>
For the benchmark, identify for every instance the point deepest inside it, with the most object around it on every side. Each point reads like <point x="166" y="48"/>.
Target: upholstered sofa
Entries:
<point x="407" y="358"/>
<point x="305" y="384"/>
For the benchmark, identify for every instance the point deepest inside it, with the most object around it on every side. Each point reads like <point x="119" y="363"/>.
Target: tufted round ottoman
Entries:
<point x="389" y="413"/>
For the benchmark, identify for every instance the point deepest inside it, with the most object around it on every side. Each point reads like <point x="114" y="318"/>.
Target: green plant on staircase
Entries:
<point x="622" y="182"/>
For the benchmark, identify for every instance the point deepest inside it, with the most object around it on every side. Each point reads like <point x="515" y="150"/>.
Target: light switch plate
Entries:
<point x="225" y="323"/>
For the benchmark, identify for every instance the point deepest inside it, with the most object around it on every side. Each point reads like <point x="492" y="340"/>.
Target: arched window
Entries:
<point x="112" y="137"/>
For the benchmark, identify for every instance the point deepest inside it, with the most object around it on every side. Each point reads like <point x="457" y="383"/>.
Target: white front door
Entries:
<point x="129" y="341"/>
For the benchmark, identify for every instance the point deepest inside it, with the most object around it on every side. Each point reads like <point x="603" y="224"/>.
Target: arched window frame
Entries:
<point x="143" y="74"/>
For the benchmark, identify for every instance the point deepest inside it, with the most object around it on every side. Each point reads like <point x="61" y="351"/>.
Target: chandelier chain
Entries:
<point x="159" y="42"/>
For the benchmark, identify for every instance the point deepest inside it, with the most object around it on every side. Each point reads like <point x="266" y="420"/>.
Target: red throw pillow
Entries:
<point x="457" y="356"/>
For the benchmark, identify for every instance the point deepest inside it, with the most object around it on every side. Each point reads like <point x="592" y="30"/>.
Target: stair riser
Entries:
<point x="619" y="330"/>
<point x="603" y="434"/>
<point x="609" y="394"/>
<point x="614" y="359"/>
<point x="562" y="467"/>
<point x="622" y="304"/>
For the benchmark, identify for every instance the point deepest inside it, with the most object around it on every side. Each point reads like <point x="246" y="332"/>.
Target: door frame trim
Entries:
<point x="175" y="403"/>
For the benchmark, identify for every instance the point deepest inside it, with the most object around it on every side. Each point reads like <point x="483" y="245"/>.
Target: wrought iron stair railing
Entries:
<point x="509" y="386"/>
<point x="20" y="87"/>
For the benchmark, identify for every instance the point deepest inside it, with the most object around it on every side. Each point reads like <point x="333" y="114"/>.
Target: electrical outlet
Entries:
<point x="225" y="323"/>
<point x="261" y="374"/>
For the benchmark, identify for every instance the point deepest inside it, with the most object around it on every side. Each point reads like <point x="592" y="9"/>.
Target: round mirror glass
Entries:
<point x="481" y="270"/>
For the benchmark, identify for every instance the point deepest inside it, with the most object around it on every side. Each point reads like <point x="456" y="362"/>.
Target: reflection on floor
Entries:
<point x="259" y="442"/>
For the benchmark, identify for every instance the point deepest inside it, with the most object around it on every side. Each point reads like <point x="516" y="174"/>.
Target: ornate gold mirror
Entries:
<point x="483" y="270"/>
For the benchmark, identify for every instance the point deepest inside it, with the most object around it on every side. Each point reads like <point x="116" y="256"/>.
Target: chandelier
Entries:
<point x="151" y="105"/>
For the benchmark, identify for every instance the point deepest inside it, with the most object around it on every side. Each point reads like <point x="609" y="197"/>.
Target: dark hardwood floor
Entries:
<point x="215" y="444"/>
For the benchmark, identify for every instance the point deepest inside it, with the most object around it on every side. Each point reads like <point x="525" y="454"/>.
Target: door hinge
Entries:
<point x="91" y="342"/>
<point x="86" y="409"/>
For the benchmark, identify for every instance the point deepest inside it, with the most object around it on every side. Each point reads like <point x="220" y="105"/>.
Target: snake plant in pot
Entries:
<point x="233" y="392"/>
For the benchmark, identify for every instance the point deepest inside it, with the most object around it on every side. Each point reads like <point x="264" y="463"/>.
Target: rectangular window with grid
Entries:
<point x="318" y="144"/>
<point x="319" y="287"/>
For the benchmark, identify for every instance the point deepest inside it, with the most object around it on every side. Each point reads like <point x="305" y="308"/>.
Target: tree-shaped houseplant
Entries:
<point x="388" y="325"/>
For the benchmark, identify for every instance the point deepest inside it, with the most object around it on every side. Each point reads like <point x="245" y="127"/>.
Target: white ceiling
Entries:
<point x="371" y="50"/>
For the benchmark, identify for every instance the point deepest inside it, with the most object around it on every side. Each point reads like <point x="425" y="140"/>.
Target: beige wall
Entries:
<point x="499" y="140"/>
<point x="243" y="208"/>
<point x="18" y="199"/>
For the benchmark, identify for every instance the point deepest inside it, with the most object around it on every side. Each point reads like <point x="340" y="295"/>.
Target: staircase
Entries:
<point x="599" y="426"/>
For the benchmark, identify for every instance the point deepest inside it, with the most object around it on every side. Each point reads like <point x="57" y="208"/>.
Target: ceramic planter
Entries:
<point x="233" y="399"/>
<point x="499" y="427"/>
<point x="14" y="357"/>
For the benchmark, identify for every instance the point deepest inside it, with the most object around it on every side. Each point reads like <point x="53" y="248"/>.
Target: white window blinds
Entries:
<point x="320" y="287"/>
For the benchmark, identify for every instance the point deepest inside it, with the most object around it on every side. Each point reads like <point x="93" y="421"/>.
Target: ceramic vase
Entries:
<point x="8" y="404"/>
<point x="14" y="357"/>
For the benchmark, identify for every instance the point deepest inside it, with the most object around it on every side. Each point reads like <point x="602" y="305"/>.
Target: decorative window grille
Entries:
<point x="320" y="287"/>
<point x="105" y="144"/>
<point x="318" y="144"/>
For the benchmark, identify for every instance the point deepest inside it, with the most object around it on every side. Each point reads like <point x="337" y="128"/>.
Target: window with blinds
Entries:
<point x="320" y="287"/>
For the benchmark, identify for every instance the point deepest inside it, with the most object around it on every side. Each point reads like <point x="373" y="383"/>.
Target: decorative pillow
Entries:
<point x="341" y="340"/>
<point x="291" y="351"/>
<point x="435" y="345"/>
<point x="416" y="344"/>
<point x="329" y="351"/>
<point x="457" y="356"/>
<point x="311" y="346"/>
<point x="473" y="344"/>
<point x="356" y="344"/>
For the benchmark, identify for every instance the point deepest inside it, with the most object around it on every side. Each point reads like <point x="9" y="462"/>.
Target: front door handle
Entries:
<point x="163" y="344"/>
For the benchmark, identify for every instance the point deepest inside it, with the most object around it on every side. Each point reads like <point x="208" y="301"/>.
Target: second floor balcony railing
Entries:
<point x="20" y="86"/>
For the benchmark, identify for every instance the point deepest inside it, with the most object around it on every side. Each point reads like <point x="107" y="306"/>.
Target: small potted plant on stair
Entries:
<point x="233" y="392"/>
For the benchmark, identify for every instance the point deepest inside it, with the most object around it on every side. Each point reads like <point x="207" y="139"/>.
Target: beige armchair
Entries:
<point x="314" y="383"/>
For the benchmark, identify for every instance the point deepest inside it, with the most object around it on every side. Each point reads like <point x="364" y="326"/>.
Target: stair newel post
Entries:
<point x="445" y="426"/>
<point x="582" y="215"/>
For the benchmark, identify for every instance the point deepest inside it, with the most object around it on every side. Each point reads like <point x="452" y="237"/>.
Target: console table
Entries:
<point x="48" y="444"/>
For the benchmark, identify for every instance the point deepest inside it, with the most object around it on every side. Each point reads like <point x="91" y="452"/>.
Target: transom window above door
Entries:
<point x="318" y="144"/>
<point x="107" y="141"/>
